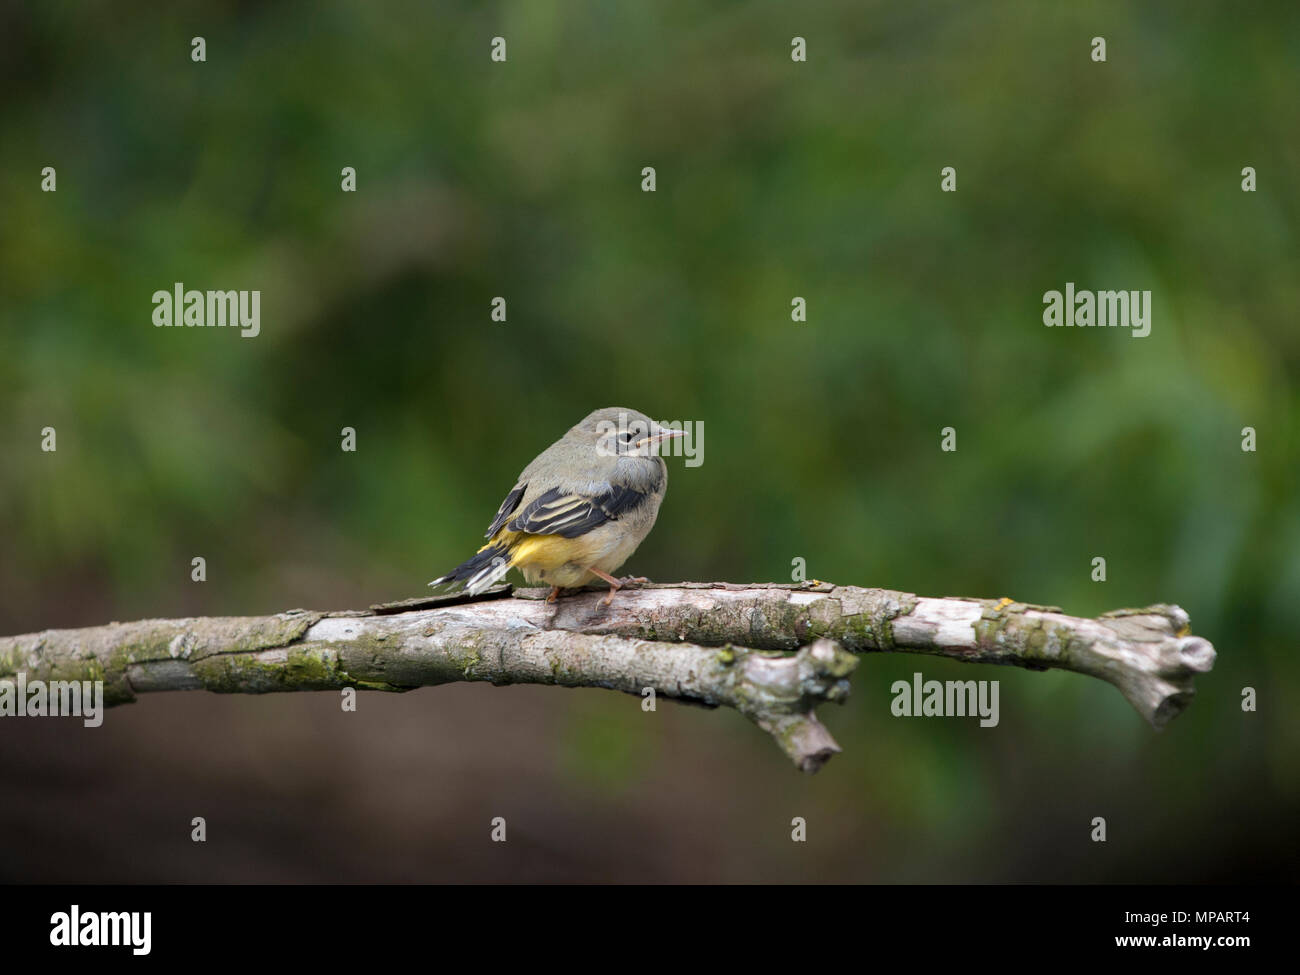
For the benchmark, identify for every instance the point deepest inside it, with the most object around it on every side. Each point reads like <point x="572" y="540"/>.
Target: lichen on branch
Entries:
<point x="772" y="652"/>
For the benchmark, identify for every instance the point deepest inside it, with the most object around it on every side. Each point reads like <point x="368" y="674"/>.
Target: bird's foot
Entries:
<point x="614" y="584"/>
<point x="554" y="594"/>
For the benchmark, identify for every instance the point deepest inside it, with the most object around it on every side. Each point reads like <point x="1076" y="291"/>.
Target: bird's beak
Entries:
<point x="660" y="437"/>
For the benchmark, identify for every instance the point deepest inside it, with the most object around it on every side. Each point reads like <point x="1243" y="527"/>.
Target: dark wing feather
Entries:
<point x="560" y="512"/>
<point x="507" y="509"/>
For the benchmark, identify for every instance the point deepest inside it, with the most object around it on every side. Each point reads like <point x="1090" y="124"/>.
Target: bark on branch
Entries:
<point x="772" y="652"/>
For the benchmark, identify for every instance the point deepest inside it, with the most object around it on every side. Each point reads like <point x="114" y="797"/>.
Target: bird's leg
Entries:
<point x="614" y="584"/>
<point x="555" y="592"/>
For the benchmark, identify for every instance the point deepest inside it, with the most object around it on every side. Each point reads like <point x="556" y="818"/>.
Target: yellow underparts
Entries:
<point x="552" y="559"/>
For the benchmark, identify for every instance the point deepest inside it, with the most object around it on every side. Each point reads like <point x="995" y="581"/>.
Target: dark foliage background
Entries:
<point x="775" y="179"/>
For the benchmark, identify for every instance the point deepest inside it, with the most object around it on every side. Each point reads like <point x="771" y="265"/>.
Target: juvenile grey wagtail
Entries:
<point x="579" y="510"/>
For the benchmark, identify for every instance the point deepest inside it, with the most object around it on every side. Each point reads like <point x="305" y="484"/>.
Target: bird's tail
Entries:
<point x="483" y="569"/>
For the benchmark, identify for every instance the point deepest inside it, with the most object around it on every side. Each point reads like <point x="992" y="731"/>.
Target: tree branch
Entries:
<point x="705" y="643"/>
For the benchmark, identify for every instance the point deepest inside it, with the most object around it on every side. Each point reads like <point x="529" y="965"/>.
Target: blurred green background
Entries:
<point x="775" y="179"/>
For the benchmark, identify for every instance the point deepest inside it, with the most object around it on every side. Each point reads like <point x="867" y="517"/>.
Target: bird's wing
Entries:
<point x="507" y="509"/>
<point x="570" y="513"/>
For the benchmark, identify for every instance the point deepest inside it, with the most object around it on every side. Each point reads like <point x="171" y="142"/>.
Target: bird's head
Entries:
<point x="618" y="431"/>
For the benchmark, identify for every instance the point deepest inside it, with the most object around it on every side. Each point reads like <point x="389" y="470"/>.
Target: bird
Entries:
<point x="579" y="510"/>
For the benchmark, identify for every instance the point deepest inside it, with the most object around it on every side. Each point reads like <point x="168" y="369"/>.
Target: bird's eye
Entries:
<point x="626" y="436"/>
